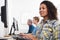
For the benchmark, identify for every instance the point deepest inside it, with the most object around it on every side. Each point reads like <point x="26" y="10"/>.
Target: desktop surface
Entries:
<point x="20" y="37"/>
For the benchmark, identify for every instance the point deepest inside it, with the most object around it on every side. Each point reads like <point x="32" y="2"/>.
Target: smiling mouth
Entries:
<point x="41" y="13"/>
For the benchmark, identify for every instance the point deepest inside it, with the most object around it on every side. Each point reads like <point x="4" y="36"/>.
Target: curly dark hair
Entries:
<point x="52" y="10"/>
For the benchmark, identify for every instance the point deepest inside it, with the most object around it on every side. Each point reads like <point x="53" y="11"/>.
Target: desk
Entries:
<point x="18" y="37"/>
<point x="14" y="37"/>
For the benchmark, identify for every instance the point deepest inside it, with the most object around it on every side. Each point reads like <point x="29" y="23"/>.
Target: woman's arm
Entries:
<point x="29" y="36"/>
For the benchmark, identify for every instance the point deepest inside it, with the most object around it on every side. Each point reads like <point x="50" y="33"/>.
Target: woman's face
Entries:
<point x="43" y="10"/>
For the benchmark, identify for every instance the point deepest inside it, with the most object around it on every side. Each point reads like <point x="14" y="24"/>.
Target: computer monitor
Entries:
<point x="14" y="26"/>
<point x="4" y="14"/>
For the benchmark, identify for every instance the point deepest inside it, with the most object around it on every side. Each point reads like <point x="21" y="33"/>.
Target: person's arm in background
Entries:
<point x="35" y="35"/>
<point x="31" y="35"/>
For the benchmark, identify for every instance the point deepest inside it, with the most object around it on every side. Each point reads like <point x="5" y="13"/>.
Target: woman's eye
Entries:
<point x="43" y="8"/>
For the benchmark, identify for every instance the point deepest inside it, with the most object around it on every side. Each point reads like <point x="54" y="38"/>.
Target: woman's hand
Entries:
<point x="31" y="37"/>
<point x="28" y="36"/>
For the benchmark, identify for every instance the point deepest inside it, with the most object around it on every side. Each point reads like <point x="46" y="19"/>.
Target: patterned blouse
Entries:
<point x="48" y="30"/>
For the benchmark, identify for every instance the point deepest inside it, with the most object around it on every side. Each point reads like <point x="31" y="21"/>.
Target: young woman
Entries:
<point x="49" y="25"/>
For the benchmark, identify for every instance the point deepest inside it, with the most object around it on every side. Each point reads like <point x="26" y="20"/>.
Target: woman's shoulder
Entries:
<point x="55" y="22"/>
